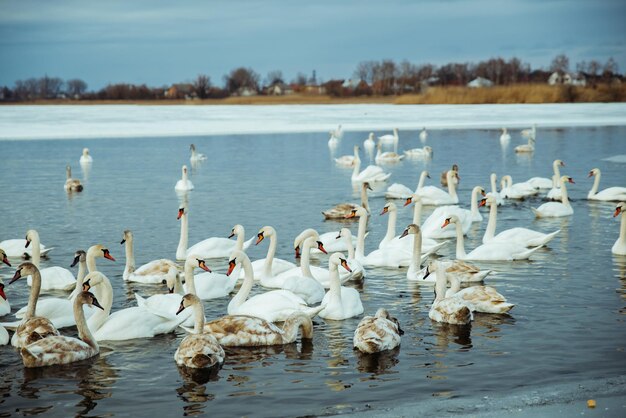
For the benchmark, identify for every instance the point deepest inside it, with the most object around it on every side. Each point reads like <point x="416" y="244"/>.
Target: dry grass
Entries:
<point x="520" y="93"/>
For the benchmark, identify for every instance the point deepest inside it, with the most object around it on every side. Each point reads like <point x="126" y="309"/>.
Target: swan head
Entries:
<point x="237" y="230"/>
<point x="4" y="258"/>
<point x="93" y="279"/>
<point x="366" y="186"/>
<point x="188" y="300"/>
<point x="128" y="236"/>
<point x="194" y="261"/>
<point x="24" y="270"/>
<point x="567" y="179"/>
<point x="621" y="207"/>
<point x="559" y="163"/>
<point x="593" y="172"/>
<point x="358" y="212"/>
<point x="265" y="232"/>
<point x="414" y="198"/>
<point x="489" y="200"/>
<point x="411" y="229"/>
<point x="100" y="250"/>
<point x="79" y="256"/>
<point x="371" y="136"/>
<point x="181" y="212"/>
<point x="85" y="151"/>
<point x="344" y="232"/>
<point x="192" y="147"/>
<point x="453" y="219"/>
<point x="236" y="257"/>
<point x="301" y="237"/>
<point x="428" y="149"/>
<point x="383" y="313"/>
<point x="389" y="207"/>
<point x="184" y="171"/>
<point x="31" y="235"/>
<point x="337" y="259"/>
<point x="87" y="298"/>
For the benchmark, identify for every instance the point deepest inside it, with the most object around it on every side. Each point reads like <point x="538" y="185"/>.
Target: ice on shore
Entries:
<point x="119" y="121"/>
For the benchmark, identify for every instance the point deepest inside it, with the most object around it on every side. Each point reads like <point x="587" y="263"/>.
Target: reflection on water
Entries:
<point x="565" y="293"/>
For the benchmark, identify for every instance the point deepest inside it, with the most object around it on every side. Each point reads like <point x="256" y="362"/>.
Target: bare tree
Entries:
<point x="201" y="85"/>
<point x="50" y="87"/>
<point x="560" y="64"/>
<point x="610" y="68"/>
<point x="364" y="71"/>
<point x="241" y="78"/>
<point x="274" y="77"/>
<point x="76" y="87"/>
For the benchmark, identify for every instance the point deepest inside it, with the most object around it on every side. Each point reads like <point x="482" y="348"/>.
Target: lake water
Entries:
<point x="568" y="323"/>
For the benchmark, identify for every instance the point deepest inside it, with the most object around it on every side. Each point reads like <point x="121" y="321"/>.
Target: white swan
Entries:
<point x="153" y="272"/>
<point x="556" y="209"/>
<point x="17" y="248"/>
<point x="371" y="174"/>
<point x="429" y="245"/>
<point x="184" y="184"/>
<point x="526" y="148"/>
<point x="609" y="194"/>
<point x="340" y="210"/>
<point x="619" y="248"/>
<point x="369" y="144"/>
<point x="124" y="324"/>
<point x="524" y="236"/>
<point x="414" y="272"/>
<point x="214" y="247"/>
<point x="337" y="133"/>
<point x="484" y="299"/>
<point x="377" y="333"/>
<point x="492" y="251"/>
<point x="432" y="195"/>
<point x="390" y="139"/>
<point x="207" y="285"/>
<point x="444" y="309"/>
<point x="4" y="336"/>
<point x="273" y="306"/>
<point x="544" y="182"/>
<point x="269" y="266"/>
<point x="529" y="133"/>
<point x="505" y="138"/>
<point x="333" y="142"/>
<point x="387" y="156"/>
<point x="60" y="349"/>
<point x="391" y="240"/>
<point x="423" y="135"/>
<point x="509" y="190"/>
<point x="431" y="228"/>
<point x="426" y="152"/>
<point x="71" y="184"/>
<point x="494" y="189"/>
<point x="52" y="278"/>
<point x="85" y="158"/>
<point x="196" y="157"/>
<point x="32" y="328"/>
<point x="199" y="350"/>
<point x="400" y="191"/>
<point x="358" y="271"/>
<point x="347" y="160"/>
<point x="340" y="302"/>
<point x="250" y="331"/>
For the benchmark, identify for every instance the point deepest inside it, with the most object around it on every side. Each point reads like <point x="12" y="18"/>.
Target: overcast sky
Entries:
<point x="160" y="42"/>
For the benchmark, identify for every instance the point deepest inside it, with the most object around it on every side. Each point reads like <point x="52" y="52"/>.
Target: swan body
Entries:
<point x="400" y="191"/>
<point x="377" y="333"/>
<point x="199" y="350"/>
<point x="390" y="139"/>
<point x="423" y="135"/>
<point x="71" y="184"/>
<point x="4" y="336"/>
<point x="340" y="302"/>
<point x="52" y="278"/>
<point x="524" y="236"/>
<point x="432" y="195"/>
<point x="333" y="142"/>
<point x="270" y="266"/>
<point x="371" y="174"/>
<point x="85" y="158"/>
<point x="184" y="184"/>
<point x="619" y="248"/>
<point x="369" y="144"/>
<point x="444" y="309"/>
<point x="387" y="157"/>
<point x="610" y="194"/>
<point x="509" y="190"/>
<point x="426" y="152"/>
<point x="347" y="160"/>
<point x="546" y="183"/>
<point x="14" y="248"/>
<point x="250" y="331"/>
<point x="60" y="349"/>
<point x="196" y="157"/>
<point x="484" y="299"/>
<point x="432" y="225"/>
<point x="505" y="138"/>
<point x="273" y="306"/>
<point x="342" y="209"/>
<point x="32" y="328"/>
<point x="153" y="272"/>
<point x="529" y="133"/>
<point x="493" y="251"/>
<point x="526" y="148"/>
<point x="556" y="209"/>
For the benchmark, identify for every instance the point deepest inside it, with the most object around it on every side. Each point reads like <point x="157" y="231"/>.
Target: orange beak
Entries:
<point x="445" y="223"/>
<point x="5" y="260"/>
<point x="571" y="180"/>
<point x="385" y="210"/>
<point x="409" y="200"/>
<point x="618" y="210"/>
<point x="259" y="238"/>
<point x="590" y="174"/>
<point x="108" y="255"/>
<point x="345" y="265"/>
<point x="181" y="212"/>
<point x="231" y="267"/>
<point x="320" y="247"/>
<point x="482" y="202"/>
<point x="203" y="266"/>
<point x="351" y="214"/>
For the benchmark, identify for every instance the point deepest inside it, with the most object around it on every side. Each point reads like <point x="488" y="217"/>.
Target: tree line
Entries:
<point x="382" y="78"/>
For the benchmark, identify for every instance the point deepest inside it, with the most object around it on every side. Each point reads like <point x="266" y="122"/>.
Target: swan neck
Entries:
<point x="189" y="279"/>
<point x="460" y="242"/>
<point x="271" y="251"/>
<point x="417" y="251"/>
<point x="391" y="225"/>
<point x="246" y="286"/>
<point x="357" y="167"/>
<point x="199" y="319"/>
<point x="556" y="169"/>
<point x="417" y="213"/>
<point x="420" y="184"/>
<point x="178" y="286"/>
<point x="440" y="284"/>
<point x="84" y="333"/>
<point x="455" y="284"/>
<point x="490" y="232"/>
<point x="181" y="251"/>
<point x="36" y="252"/>
<point x="34" y="295"/>
<point x="564" y="197"/>
<point x="596" y="184"/>
<point x="240" y="240"/>
<point x="360" y="239"/>
<point x="494" y="187"/>
<point x="622" y="229"/>
<point x="473" y="203"/>
<point x="80" y="278"/>
<point x="348" y="241"/>
<point x="305" y="261"/>
<point x="334" y="292"/>
<point x="91" y="260"/>
<point x="291" y="326"/>
<point x="130" y="257"/>
<point x="105" y="297"/>
<point x="364" y="200"/>
<point x="452" y="187"/>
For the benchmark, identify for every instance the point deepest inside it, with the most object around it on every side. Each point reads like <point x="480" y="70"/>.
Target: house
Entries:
<point x="576" y="79"/>
<point x="279" y="89"/>
<point x="480" y="82"/>
<point x="180" y="91"/>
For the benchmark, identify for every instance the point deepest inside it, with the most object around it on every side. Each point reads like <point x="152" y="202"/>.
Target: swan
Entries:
<point x="199" y="350"/>
<point x="214" y="247"/>
<point x="369" y="144"/>
<point x="389" y="139"/>
<point x="269" y="266"/>
<point x="333" y="142"/>
<point x="52" y="278"/>
<point x="196" y="157"/>
<point x="4" y="336"/>
<point x="530" y="133"/>
<point x="426" y="152"/>
<point x="86" y="158"/>
<point x="544" y="182"/>
<point x="273" y="306"/>
<point x="371" y="174"/>
<point x="423" y="135"/>
<point x="494" y="189"/>
<point x="391" y="240"/>
<point x="32" y="328"/>
<point x="524" y="236"/>
<point x="484" y="299"/>
<point x="60" y="311"/>
<point x="431" y="227"/>
<point x="619" y="248"/>
<point x="444" y="309"/>
<point x="386" y="157"/>
<point x="358" y="272"/>
<point x="60" y="349"/>
<point x="209" y="285"/>
<point x="508" y="190"/>
<point x="16" y="247"/>
<point x="556" y="209"/>
<point x="524" y="148"/>
<point x="340" y="302"/>
<point x="377" y="333"/>
<point x="444" y="175"/>
<point x="184" y="184"/>
<point x="152" y="273"/>
<point x="505" y="138"/>
<point x="491" y="251"/>
<point x="337" y="133"/>
<point x="347" y="160"/>
<point x="250" y="331"/>
<point x="610" y="194"/>
<point x="342" y="209"/>
<point x="414" y="271"/>
<point x="432" y="195"/>
<point x="400" y="191"/>
<point x="124" y="324"/>
<point x="5" y="306"/>
<point x="428" y="244"/>
<point x="71" y="184"/>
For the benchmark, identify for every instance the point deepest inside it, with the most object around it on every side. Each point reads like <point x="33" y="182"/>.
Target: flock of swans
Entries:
<point x="293" y="294"/>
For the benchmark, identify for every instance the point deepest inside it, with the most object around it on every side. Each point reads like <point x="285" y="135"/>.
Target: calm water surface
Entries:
<point x="568" y="323"/>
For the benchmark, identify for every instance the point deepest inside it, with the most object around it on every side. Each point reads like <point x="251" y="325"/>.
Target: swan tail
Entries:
<point x="524" y="255"/>
<point x="44" y="253"/>
<point x="11" y="326"/>
<point x="548" y="237"/>
<point x="312" y="312"/>
<point x="141" y="301"/>
<point x="537" y="213"/>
